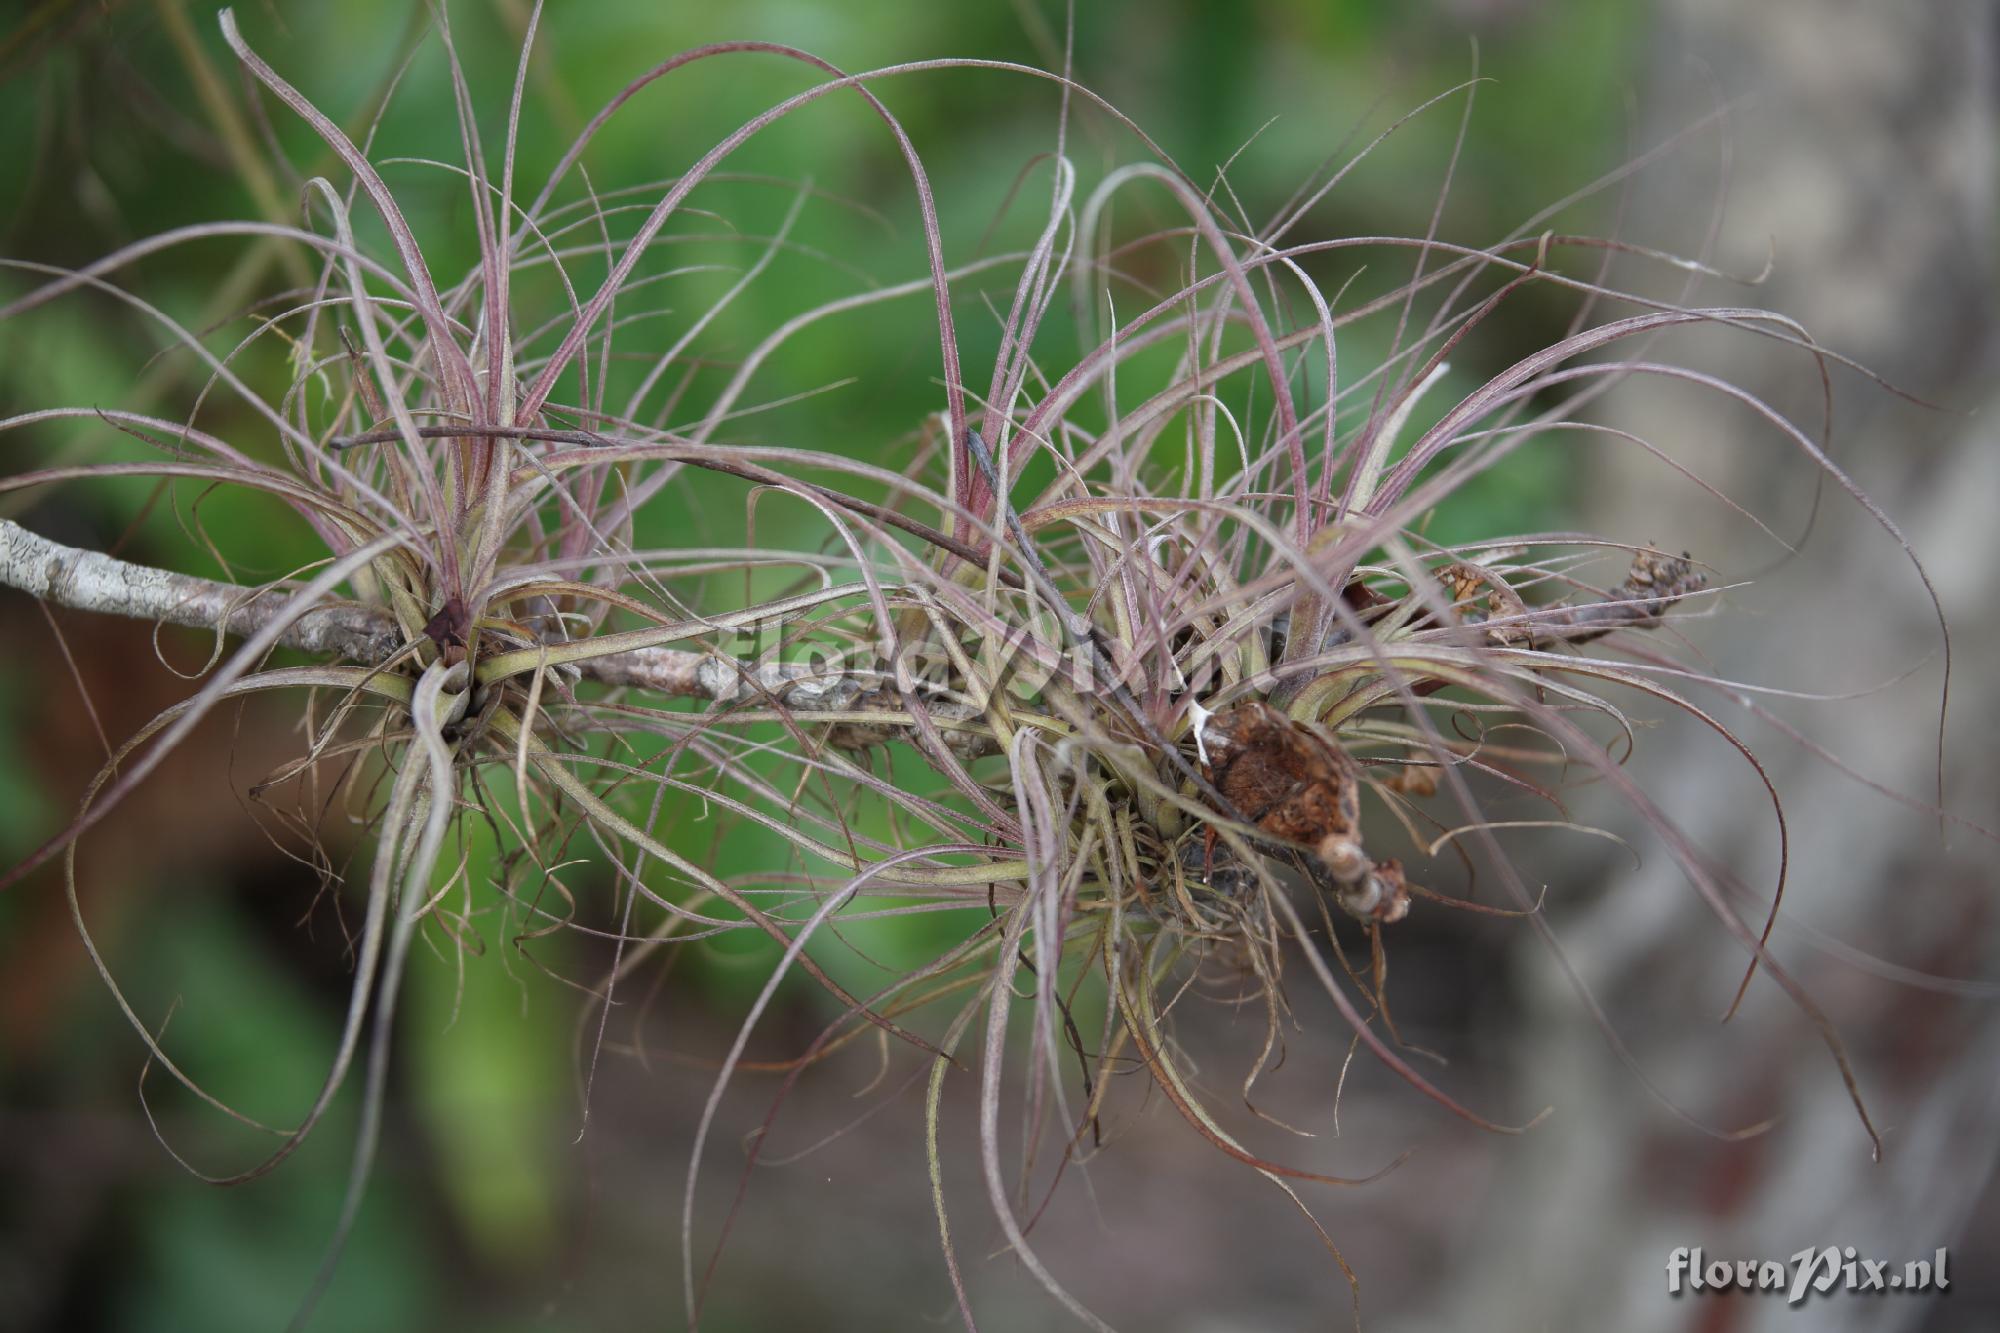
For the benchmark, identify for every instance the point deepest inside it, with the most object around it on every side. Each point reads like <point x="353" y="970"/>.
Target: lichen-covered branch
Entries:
<point x="92" y="581"/>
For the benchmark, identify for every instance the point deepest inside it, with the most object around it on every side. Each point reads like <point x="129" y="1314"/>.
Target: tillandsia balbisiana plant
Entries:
<point x="1132" y="666"/>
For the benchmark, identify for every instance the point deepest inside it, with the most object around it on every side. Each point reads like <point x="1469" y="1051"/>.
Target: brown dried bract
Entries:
<point x="1412" y="780"/>
<point x="1655" y="584"/>
<point x="451" y="630"/>
<point x="1290" y="782"/>
<point x="1479" y="595"/>
<point x="1299" y="787"/>
<point x="1658" y="580"/>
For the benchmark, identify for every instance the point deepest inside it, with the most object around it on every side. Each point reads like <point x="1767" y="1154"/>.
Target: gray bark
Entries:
<point x="1868" y="155"/>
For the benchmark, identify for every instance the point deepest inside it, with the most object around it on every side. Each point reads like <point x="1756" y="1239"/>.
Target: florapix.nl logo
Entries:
<point x="1808" y="1272"/>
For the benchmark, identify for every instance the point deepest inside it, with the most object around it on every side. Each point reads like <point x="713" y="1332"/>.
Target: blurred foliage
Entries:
<point x="110" y="139"/>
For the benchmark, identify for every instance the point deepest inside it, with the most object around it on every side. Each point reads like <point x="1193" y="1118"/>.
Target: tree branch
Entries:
<point x="92" y="581"/>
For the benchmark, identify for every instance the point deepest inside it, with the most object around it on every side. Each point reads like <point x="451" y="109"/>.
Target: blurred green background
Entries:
<point x="489" y="1209"/>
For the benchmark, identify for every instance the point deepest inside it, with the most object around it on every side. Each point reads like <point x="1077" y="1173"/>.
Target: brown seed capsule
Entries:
<point x="1378" y="896"/>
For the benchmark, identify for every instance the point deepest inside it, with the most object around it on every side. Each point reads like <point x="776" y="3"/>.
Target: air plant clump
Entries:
<point x="1128" y="665"/>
